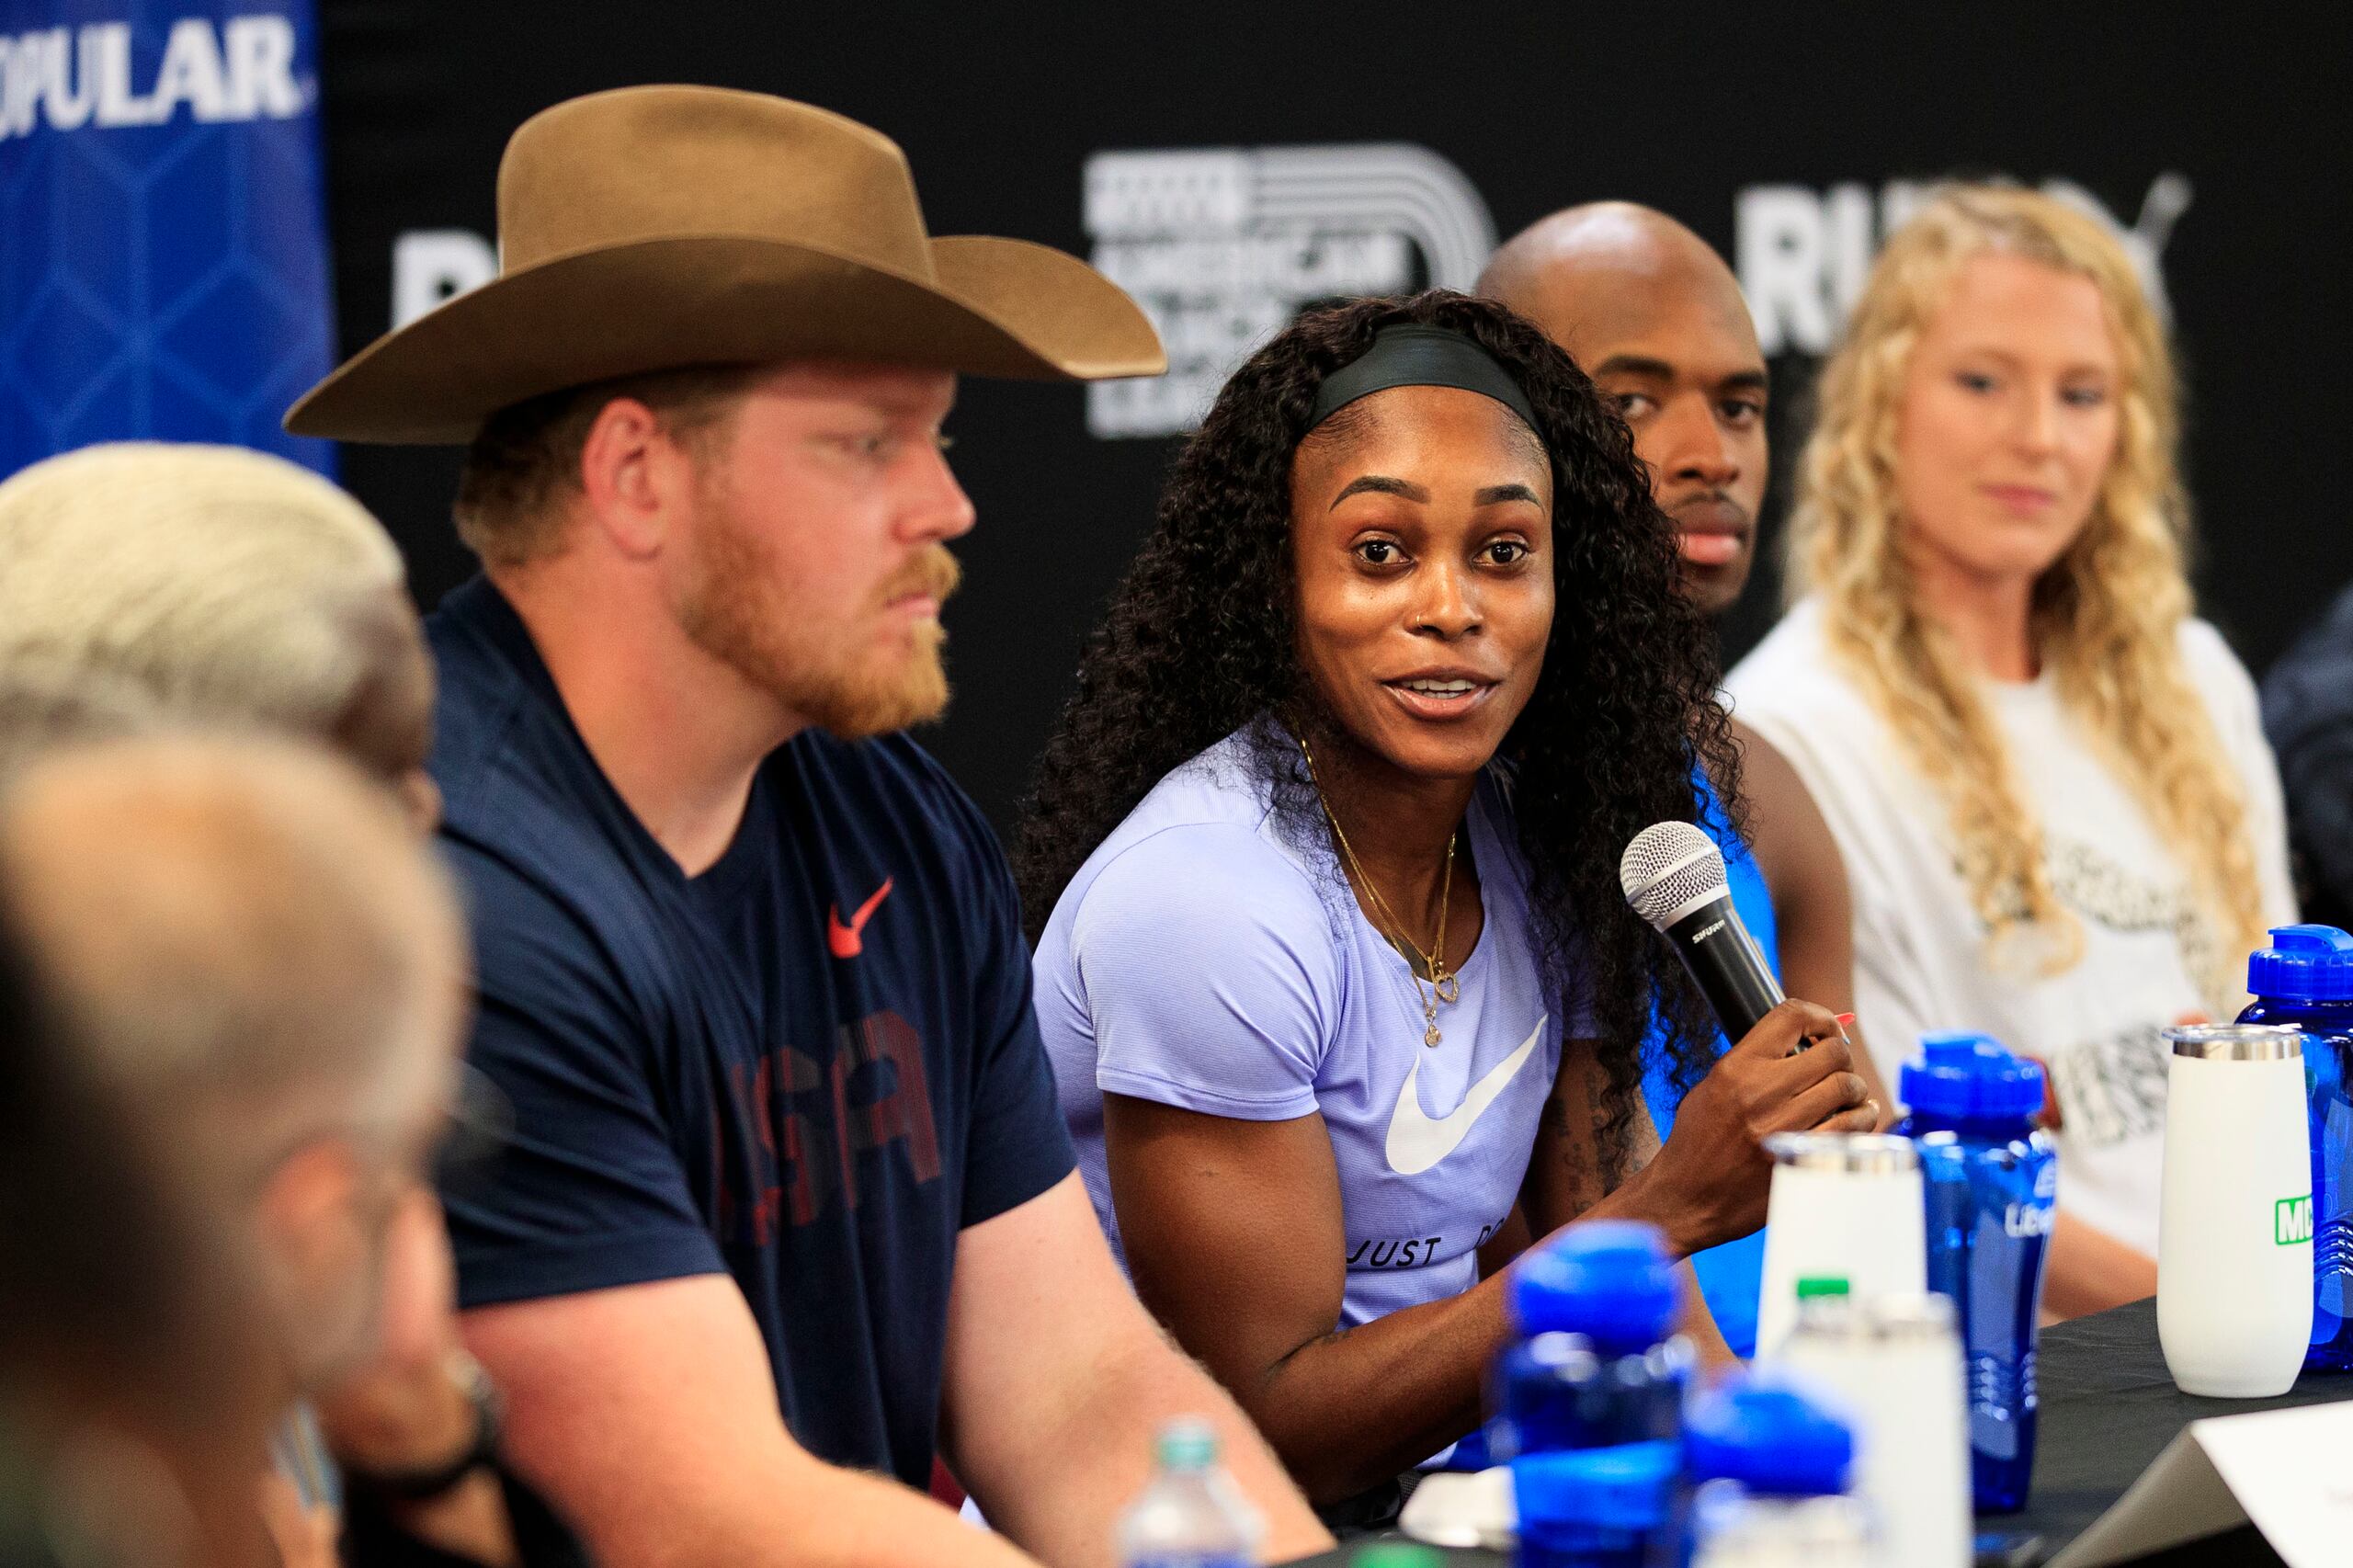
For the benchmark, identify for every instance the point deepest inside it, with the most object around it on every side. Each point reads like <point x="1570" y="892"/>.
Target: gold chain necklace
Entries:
<point x="1444" y="986"/>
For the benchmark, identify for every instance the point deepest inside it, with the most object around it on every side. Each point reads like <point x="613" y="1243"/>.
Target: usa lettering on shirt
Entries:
<point x="812" y="1119"/>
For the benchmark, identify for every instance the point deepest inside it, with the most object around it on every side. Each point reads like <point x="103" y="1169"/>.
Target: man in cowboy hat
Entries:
<point x="750" y="965"/>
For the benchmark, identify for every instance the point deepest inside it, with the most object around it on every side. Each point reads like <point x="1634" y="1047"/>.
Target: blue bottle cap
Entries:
<point x="1607" y="1280"/>
<point x="1769" y="1437"/>
<point x="1628" y="1486"/>
<point x="1963" y="1077"/>
<point x="2303" y="964"/>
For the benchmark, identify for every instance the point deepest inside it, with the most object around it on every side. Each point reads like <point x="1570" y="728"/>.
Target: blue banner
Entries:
<point x="164" y="265"/>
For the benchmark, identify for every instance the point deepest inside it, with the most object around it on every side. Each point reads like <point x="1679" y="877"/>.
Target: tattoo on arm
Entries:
<point x="1572" y="1134"/>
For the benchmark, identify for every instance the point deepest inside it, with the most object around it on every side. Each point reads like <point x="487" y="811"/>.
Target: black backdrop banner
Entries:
<point x="1228" y="160"/>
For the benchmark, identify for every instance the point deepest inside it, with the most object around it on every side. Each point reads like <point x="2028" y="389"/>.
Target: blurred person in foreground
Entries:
<point x="790" y="1202"/>
<point x="135" y="1393"/>
<point x="252" y="952"/>
<point x="2060" y="819"/>
<point x="219" y="586"/>
<point x="1333" y="960"/>
<point x="145" y="586"/>
<point x="2308" y="714"/>
<point x="1654" y="315"/>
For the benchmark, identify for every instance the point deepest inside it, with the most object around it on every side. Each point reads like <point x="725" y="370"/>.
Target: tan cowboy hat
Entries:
<point x="652" y="227"/>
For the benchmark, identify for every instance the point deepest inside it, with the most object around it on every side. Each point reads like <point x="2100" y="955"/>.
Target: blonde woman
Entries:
<point x="2049" y="780"/>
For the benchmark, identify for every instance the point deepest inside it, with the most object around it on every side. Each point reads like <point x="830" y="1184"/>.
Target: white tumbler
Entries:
<point x="2234" y="1224"/>
<point x="1894" y="1361"/>
<point x="1844" y="1207"/>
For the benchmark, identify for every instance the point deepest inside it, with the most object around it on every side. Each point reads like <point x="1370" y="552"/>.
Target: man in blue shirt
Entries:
<point x="750" y="965"/>
<point x="1654" y="315"/>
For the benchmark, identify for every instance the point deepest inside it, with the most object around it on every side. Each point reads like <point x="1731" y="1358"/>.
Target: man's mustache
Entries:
<point x="935" y="572"/>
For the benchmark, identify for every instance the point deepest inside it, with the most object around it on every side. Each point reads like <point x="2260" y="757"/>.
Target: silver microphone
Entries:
<point x="1672" y="875"/>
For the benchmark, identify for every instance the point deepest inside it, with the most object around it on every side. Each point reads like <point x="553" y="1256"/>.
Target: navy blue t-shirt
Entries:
<point x="808" y="1067"/>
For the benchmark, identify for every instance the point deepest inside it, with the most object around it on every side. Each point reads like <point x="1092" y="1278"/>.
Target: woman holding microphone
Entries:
<point x="2060" y="819"/>
<point x="1334" y="966"/>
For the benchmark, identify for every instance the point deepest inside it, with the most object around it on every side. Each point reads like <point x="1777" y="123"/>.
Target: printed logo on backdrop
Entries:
<point x="165" y="271"/>
<point x="432" y="267"/>
<point x="1222" y="246"/>
<point x="1802" y="253"/>
<point x="64" y="78"/>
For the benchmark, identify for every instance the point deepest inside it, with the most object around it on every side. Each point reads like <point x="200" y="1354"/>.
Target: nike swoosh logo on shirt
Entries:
<point x="848" y="941"/>
<point x="1416" y="1142"/>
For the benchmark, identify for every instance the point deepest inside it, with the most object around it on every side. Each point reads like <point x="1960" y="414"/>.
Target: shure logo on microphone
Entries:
<point x="1704" y="932"/>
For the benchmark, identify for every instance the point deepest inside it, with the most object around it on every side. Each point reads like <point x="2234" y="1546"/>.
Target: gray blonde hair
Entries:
<point x="223" y="584"/>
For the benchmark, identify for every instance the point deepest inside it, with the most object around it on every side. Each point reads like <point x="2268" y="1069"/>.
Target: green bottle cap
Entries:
<point x="1188" y="1443"/>
<point x="1396" y="1554"/>
<point x="1814" y="1285"/>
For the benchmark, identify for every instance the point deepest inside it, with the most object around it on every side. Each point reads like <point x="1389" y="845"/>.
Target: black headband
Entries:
<point x="1421" y="357"/>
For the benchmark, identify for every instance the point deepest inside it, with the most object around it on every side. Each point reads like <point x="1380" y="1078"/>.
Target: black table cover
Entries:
<point x="2109" y="1409"/>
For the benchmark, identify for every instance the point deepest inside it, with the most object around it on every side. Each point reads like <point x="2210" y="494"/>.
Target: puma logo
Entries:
<point x="848" y="940"/>
<point x="1416" y="1142"/>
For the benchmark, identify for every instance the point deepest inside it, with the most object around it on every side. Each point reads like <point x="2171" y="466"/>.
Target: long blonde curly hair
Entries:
<point x="2106" y="616"/>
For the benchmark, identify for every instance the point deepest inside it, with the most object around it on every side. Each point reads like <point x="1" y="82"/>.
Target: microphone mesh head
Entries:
<point x="1669" y="866"/>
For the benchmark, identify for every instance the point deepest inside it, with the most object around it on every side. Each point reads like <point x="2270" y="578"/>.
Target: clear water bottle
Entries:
<point x="1192" y="1516"/>
<point x="1990" y="1178"/>
<point x="1598" y="1362"/>
<point x="2305" y="978"/>
<point x="1771" y="1465"/>
<point x="1894" y="1364"/>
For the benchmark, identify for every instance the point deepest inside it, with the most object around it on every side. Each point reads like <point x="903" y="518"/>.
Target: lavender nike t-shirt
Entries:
<point x="1201" y="960"/>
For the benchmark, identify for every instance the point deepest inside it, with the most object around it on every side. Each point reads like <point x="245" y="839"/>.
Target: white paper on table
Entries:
<point x="2289" y="1472"/>
<point x="1462" y="1509"/>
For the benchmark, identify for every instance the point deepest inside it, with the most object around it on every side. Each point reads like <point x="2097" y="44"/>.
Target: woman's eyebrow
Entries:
<point x="1514" y="492"/>
<point x="1380" y="484"/>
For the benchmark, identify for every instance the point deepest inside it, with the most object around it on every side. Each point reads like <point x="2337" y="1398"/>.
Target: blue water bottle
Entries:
<point x="1990" y="1177"/>
<point x="1598" y="1361"/>
<point x="1590" y="1398"/>
<point x="1771" y="1467"/>
<point x="2305" y="978"/>
<point x="1611" y="1507"/>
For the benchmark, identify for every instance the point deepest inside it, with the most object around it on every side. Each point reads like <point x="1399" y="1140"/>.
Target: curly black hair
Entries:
<point x="1200" y="640"/>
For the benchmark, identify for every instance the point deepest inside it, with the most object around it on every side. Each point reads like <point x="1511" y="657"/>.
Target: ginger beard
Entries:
<point x="846" y="668"/>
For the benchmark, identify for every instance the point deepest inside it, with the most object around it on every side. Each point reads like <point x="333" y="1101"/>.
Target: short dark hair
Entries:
<point x="526" y="458"/>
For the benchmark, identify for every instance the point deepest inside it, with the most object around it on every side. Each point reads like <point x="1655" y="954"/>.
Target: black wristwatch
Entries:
<point x="423" y="1485"/>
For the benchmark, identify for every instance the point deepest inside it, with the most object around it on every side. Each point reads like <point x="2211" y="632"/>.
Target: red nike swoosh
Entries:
<point x="845" y="940"/>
